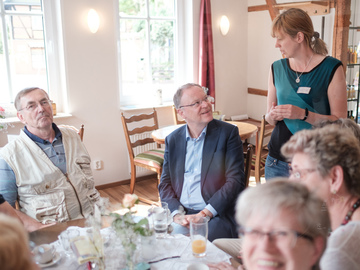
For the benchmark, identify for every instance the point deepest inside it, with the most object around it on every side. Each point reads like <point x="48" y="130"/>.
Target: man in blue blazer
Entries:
<point x="203" y="168"/>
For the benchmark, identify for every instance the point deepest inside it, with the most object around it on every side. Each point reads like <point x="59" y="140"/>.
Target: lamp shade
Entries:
<point x="93" y="21"/>
<point x="224" y="25"/>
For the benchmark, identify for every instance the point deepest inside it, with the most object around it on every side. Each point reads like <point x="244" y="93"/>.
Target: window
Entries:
<point x="148" y="50"/>
<point x="26" y="59"/>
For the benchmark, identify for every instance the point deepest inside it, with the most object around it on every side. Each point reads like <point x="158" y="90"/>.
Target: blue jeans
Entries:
<point x="276" y="168"/>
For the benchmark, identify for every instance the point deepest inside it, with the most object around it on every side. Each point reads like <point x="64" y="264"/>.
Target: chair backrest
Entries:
<point x="265" y="131"/>
<point x="247" y="160"/>
<point x="79" y="131"/>
<point x="177" y="121"/>
<point x="140" y="119"/>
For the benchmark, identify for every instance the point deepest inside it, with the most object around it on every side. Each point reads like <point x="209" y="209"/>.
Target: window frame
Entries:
<point x="180" y="59"/>
<point x="54" y="53"/>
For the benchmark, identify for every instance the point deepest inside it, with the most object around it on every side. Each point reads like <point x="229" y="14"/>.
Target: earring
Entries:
<point x="333" y="192"/>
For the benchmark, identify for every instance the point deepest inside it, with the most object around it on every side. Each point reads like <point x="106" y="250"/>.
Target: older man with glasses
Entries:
<point x="46" y="168"/>
<point x="203" y="171"/>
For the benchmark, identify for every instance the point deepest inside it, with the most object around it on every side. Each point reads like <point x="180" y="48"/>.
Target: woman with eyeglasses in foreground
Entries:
<point x="282" y="226"/>
<point x="327" y="161"/>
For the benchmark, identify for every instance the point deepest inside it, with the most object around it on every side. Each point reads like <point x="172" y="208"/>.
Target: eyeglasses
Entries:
<point x="298" y="174"/>
<point x="31" y="106"/>
<point x="197" y="103"/>
<point x="286" y="238"/>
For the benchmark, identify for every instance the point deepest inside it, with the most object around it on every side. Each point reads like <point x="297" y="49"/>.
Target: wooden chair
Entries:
<point x="248" y="163"/>
<point x="261" y="150"/>
<point x="177" y="121"/>
<point x="79" y="131"/>
<point x="140" y="136"/>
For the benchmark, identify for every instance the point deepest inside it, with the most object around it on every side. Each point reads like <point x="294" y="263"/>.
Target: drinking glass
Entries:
<point x="198" y="236"/>
<point x="66" y="238"/>
<point x="160" y="220"/>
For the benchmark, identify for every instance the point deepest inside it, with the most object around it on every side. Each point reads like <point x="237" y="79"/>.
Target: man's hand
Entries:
<point x="31" y="224"/>
<point x="184" y="220"/>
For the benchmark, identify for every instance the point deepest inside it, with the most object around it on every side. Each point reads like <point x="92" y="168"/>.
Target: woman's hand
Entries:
<point x="223" y="266"/>
<point x="287" y="111"/>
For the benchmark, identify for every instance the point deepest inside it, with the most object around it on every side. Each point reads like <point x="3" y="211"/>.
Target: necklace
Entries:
<point x="298" y="76"/>
<point x="350" y="213"/>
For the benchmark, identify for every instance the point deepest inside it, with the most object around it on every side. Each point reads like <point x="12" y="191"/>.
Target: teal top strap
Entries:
<point x="316" y="100"/>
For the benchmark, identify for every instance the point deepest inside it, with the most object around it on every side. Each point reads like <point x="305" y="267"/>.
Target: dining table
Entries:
<point x="172" y="252"/>
<point x="246" y="130"/>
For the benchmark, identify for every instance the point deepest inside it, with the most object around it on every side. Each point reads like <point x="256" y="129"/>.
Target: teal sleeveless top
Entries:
<point x="316" y="100"/>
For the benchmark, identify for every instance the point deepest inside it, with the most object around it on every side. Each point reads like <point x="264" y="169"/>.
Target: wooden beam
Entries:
<point x="274" y="11"/>
<point x="311" y="7"/>
<point x="266" y="7"/>
<point x="341" y="30"/>
<point x="258" y="8"/>
<point x="258" y="92"/>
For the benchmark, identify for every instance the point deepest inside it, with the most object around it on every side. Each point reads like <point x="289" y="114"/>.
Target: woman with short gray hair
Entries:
<point x="327" y="161"/>
<point x="282" y="225"/>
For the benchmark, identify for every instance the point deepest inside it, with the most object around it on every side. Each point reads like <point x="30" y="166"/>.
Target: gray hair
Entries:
<point x="327" y="147"/>
<point x="179" y="93"/>
<point x="24" y="92"/>
<point x="342" y="123"/>
<point x="282" y="194"/>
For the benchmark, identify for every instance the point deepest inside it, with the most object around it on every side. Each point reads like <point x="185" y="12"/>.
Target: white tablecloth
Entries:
<point x="174" y="245"/>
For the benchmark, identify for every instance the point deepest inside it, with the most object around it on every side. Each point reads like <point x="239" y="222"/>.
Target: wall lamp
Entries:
<point x="224" y="25"/>
<point x="93" y="21"/>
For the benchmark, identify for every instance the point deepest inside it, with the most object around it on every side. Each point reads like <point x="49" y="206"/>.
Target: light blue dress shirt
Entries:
<point x="191" y="196"/>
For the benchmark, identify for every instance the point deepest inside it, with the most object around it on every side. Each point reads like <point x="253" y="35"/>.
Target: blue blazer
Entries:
<point x="222" y="170"/>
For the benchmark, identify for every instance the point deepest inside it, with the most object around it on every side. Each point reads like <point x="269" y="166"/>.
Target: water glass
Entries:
<point x="160" y="220"/>
<point x="66" y="238"/>
<point x="198" y="236"/>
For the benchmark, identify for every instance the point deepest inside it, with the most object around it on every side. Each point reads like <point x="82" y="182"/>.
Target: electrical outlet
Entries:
<point x="97" y="164"/>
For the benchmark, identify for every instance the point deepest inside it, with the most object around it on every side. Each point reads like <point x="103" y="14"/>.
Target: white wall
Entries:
<point x="231" y="60"/>
<point x="91" y="71"/>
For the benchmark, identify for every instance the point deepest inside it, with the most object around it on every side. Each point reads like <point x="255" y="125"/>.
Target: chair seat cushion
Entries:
<point x="153" y="158"/>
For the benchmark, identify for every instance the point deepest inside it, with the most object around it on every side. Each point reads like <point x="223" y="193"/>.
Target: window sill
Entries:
<point x="140" y="107"/>
<point x="16" y="120"/>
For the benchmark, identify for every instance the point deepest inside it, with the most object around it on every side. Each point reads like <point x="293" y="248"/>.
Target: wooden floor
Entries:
<point x="145" y="188"/>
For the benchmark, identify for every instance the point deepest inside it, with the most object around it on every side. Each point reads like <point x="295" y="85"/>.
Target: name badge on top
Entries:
<point x="303" y="90"/>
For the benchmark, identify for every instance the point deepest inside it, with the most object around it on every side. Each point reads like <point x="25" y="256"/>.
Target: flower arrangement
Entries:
<point x="2" y="116"/>
<point x="4" y="125"/>
<point x="122" y="223"/>
<point x="128" y="229"/>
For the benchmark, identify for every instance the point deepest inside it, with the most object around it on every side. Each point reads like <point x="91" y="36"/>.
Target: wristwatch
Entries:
<point x="306" y="114"/>
<point x="205" y="215"/>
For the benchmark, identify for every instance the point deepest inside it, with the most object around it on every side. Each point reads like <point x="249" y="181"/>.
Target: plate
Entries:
<point x="55" y="260"/>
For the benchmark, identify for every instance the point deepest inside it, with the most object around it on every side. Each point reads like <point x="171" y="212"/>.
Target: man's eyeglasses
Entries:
<point x="286" y="238"/>
<point x="197" y="103"/>
<point x="298" y="174"/>
<point x="33" y="105"/>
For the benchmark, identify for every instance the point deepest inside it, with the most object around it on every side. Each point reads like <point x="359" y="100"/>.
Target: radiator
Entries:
<point x="140" y="171"/>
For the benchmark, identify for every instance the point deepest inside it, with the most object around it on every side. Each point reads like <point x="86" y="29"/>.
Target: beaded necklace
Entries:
<point x="350" y="213"/>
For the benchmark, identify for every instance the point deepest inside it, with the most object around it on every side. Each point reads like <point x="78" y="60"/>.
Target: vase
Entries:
<point x="130" y="258"/>
<point x="129" y="243"/>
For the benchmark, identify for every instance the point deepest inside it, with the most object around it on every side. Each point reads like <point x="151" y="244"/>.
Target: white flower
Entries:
<point x="129" y="200"/>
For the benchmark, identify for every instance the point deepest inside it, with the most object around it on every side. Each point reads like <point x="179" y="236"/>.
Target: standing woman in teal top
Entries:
<point x="305" y="87"/>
